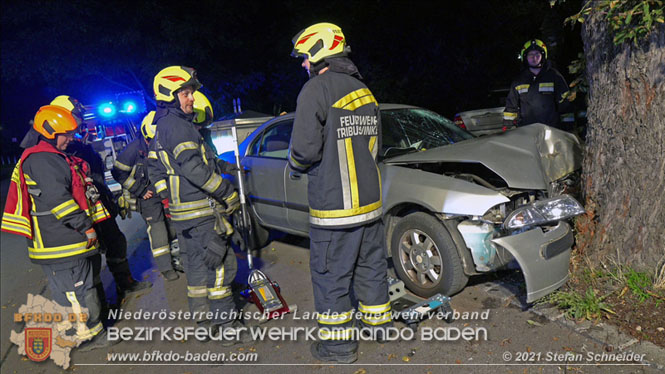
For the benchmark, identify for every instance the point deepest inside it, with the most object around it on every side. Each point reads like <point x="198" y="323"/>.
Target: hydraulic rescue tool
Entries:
<point x="412" y="309"/>
<point x="263" y="292"/>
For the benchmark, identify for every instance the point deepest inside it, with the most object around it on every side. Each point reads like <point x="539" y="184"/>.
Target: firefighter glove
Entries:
<point x="227" y="167"/>
<point x="232" y="203"/>
<point x="214" y="254"/>
<point x="236" y="239"/>
<point x="165" y="204"/>
<point x="124" y="210"/>
<point x="91" y="235"/>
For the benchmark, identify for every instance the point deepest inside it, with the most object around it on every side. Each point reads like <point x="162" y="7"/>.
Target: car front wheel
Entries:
<point x="425" y="257"/>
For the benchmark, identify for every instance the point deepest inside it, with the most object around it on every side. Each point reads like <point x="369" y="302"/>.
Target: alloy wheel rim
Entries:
<point x="420" y="258"/>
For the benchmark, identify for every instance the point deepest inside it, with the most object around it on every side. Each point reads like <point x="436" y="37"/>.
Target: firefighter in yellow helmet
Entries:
<point x="50" y="203"/>
<point x="344" y="192"/>
<point x="112" y="240"/>
<point x="198" y="195"/>
<point x="130" y="169"/>
<point x="203" y="117"/>
<point x="538" y="93"/>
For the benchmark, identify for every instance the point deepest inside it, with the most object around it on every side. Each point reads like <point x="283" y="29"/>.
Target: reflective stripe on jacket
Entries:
<point x="188" y="168"/>
<point x="334" y="137"/>
<point x="48" y="206"/>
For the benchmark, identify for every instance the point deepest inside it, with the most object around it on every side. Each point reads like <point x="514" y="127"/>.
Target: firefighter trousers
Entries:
<point x="207" y="289"/>
<point x="71" y="285"/>
<point x="114" y="243"/>
<point x="160" y="233"/>
<point x="345" y="262"/>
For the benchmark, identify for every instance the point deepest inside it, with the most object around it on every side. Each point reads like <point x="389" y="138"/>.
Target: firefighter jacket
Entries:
<point x="334" y="140"/>
<point x="47" y="204"/>
<point x="538" y="99"/>
<point x="189" y="169"/>
<point x="130" y="169"/>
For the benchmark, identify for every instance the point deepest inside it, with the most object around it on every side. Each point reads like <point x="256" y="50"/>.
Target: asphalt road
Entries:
<point x="507" y="336"/>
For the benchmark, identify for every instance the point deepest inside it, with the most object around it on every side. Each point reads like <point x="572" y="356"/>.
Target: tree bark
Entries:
<point x="624" y="168"/>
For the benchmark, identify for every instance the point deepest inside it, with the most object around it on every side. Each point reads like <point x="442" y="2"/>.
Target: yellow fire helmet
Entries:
<point x="171" y="79"/>
<point x="72" y="105"/>
<point x="202" y="110"/>
<point x="534" y="45"/>
<point x="52" y="120"/>
<point x="318" y="42"/>
<point x="148" y="128"/>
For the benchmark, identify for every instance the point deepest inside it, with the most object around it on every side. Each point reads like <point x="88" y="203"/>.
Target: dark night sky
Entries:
<point x="445" y="56"/>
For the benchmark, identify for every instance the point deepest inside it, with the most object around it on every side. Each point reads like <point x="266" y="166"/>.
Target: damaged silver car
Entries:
<point x="454" y="205"/>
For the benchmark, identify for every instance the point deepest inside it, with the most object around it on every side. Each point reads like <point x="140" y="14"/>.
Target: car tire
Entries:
<point x="425" y="256"/>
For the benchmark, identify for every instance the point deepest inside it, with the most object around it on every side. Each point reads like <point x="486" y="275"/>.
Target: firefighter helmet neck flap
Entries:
<point x="148" y="128"/>
<point x="534" y="45"/>
<point x="170" y="80"/>
<point x="203" y="114"/>
<point x="319" y="42"/>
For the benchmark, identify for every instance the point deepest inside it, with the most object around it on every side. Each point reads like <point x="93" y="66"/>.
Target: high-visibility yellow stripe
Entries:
<point x="8" y="226"/>
<point x="355" y="100"/>
<point x="183" y="147"/>
<point x="219" y="276"/>
<point x="37" y="238"/>
<point x="522" y="88"/>
<point x="219" y="293"/>
<point x="190" y="205"/>
<point x="165" y="161"/>
<point x="65" y="208"/>
<point x="160" y="185"/>
<point x="550" y="84"/>
<point x="375" y="320"/>
<point x="353" y="178"/>
<point x="174" y="188"/>
<point x="212" y="184"/>
<point x="509" y="116"/>
<point x="298" y="164"/>
<point x="196" y="291"/>
<point x="372" y="143"/>
<point x="60" y="251"/>
<point x="152" y="155"/>
<point x="203" y="154"/>
<point x="374" y="309"/>
<point x="156" y="252"/>
<point x="121" y="166"/>
<point x="335" y="318"/>
<point x="19" y="220"/>
<point x="344" y="212"/>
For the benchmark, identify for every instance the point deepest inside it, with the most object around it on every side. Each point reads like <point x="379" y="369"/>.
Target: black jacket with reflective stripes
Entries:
<point x="191" y="168"/>
<point x="539" y="99"/>
<point x="59" y="224"/>
<point x="336" y="127"/>
<point x="130" y="169"/>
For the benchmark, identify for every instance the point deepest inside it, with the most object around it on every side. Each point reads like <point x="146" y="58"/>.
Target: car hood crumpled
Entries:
<point x="528" y="157"/>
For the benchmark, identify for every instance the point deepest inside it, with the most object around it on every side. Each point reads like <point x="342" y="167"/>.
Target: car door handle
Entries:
<point x="294" y="175"/>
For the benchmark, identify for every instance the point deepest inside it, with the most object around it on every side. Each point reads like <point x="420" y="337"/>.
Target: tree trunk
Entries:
<point x="624" y="167"/>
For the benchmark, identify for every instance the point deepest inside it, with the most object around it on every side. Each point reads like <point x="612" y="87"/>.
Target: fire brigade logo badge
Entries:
<point x="37" y="343"/>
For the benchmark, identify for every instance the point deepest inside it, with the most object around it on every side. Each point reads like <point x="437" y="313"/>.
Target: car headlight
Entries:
<point x="544" y="211"/>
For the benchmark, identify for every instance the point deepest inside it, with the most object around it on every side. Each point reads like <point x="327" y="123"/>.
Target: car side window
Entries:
<point x="274" y="142"/>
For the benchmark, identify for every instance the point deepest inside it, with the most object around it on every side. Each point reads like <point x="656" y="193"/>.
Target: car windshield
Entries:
<point x="415" y="129"/>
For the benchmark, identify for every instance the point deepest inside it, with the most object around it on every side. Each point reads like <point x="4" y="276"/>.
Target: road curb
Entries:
<point x="609" y="336"/>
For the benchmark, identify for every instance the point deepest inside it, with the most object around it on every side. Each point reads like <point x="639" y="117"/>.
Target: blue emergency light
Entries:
<point x="106" y="110"/>
<point x="129" y="107"/>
